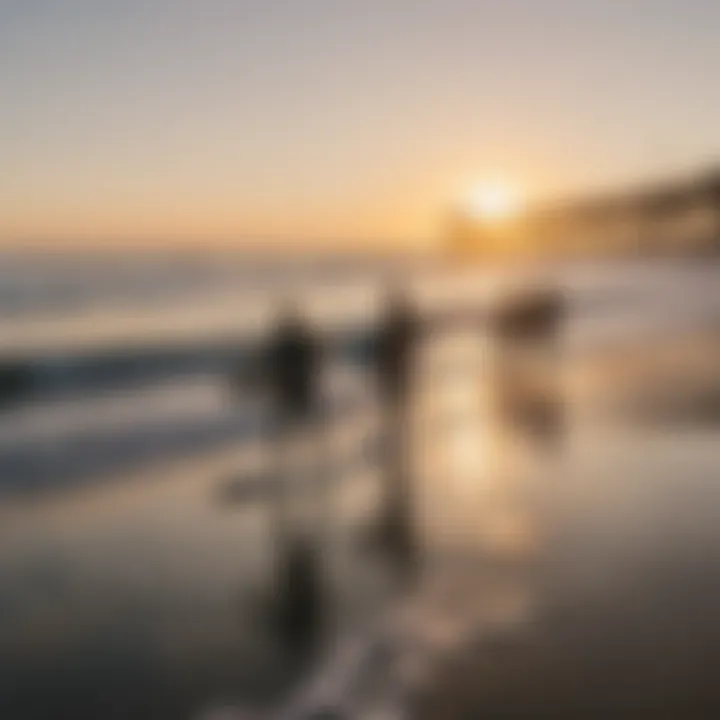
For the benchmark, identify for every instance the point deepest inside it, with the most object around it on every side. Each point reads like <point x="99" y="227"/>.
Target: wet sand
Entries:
<point x="576" y="584"/>
<point x="625" y="623"/>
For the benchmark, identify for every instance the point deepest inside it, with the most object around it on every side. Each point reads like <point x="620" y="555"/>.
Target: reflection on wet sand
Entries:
<point x="573" y="584"/>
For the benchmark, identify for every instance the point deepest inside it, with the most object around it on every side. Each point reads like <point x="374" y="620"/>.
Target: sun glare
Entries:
<point x="493" y="202"/>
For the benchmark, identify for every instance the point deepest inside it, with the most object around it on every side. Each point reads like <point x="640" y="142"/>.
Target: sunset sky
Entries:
<point x="141" y="120"/>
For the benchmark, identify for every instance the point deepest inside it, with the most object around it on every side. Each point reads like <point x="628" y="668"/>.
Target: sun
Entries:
<point x="494" y="202"/>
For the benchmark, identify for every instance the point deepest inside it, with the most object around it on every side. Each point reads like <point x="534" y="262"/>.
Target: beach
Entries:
<point x="136" y="535"/>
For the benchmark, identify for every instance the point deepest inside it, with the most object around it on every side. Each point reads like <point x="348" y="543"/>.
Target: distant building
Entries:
<point x="669" y="218"/>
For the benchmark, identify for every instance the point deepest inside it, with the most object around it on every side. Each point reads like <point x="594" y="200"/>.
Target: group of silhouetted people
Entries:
<point x="293" y="367"/>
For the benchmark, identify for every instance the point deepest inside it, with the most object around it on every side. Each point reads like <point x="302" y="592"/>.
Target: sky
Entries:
<point x="345" y="121"/>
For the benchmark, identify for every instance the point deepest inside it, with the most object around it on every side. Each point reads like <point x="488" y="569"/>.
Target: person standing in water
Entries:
<point x="398" y="338"/>
<point x="293" y="367"/>
<point x="528" y="330"/>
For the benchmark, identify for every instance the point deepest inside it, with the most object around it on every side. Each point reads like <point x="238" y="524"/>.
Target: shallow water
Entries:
<point x="578" y="582"/>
